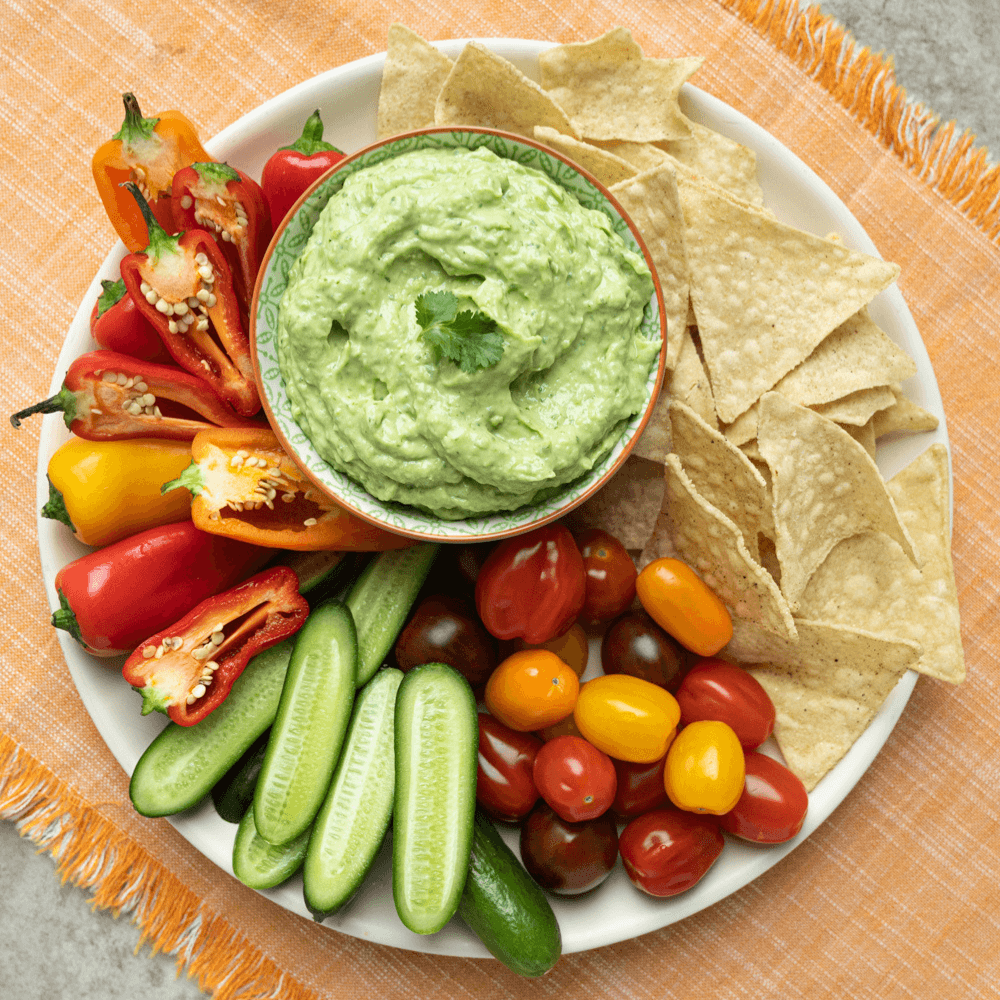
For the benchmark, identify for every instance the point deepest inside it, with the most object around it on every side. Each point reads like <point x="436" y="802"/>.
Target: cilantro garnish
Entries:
<point x="469" y="338"/>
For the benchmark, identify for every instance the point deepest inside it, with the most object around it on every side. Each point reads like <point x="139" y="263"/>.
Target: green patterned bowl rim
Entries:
<point x="288" y="242"/>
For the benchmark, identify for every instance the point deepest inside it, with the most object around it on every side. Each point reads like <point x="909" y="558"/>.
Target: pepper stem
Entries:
<point x="56" y="508"/>
<point x="65" y="618"/>
<point x="111" y="294"/>
<point x="64" y="399"/>
<point x="192" y="478"/>
<point x="160" y="242"/>
<point x="134" y="127"/>
<point x="311" y="140"/>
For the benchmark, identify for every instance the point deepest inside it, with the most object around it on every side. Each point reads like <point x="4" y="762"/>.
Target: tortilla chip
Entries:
<point x="857" y="408"/>
<point x="712" y="545"/>
<point x="652" y="201"/>
<point x="826" y="488"/>
<point x="411" y="81"/>
<point x="903" y="416"/>
<point x="610" y="91"/>
<point x="826" y="686"/>
<point x="723" y="475"/>
<point x="485" y="90"/>
<point x="642" y="155"/>
<point x="765" y="294"/>
<point x="606" y="167"/>
<point x="864" y="435"/>
<point x="627" y="506"/>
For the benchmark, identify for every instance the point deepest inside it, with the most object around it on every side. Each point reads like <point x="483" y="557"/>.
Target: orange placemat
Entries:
<point x="895" y="895"/>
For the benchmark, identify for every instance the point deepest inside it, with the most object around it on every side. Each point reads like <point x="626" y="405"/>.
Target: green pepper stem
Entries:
<point x="112" y="293"/>
<point x="215" y="173"/>
<point x="160" y="242"/>
<point x="191" y="479"/>
<point x="56" y="508"/>
<point x="64" y="400"/>
<point x="134" y="127"/>
<point x="311" y="141"/>
<point x="65" y="618"/>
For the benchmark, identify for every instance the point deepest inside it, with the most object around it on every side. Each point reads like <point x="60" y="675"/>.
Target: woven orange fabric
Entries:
<point x="896" y="894"/>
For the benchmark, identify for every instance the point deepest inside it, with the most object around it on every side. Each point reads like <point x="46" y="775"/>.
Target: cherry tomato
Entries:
<point x="505" y="787"/>
<point x="667" y="851"/>
<point x="627" y="718"/>
<point x="572" y="647"/>
<point x="565" y="728"/>
<point x="610" y="575"/>
<point x="640" y="788"/>
<point x="575" y="778"/>
<point x="773" y="805"/>
<point x="568" y="858"/>
<point x="531" y="690"/>
<point x="714" y="689"/>
<point x="704" y="771"/>
<point x="681" y="602"/>
<point x="634" y="644"/>
<point x="444" y="629"/>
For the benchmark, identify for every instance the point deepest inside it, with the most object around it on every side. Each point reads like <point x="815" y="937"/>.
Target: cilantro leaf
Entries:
<point x="469" y="338"/>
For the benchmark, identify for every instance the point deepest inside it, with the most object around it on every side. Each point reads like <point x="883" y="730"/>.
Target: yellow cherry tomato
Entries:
<point x="681" y="603"/>
<point x="571" y="647"/>
<point x="626" y="717"/>
<point x="531" y="689"/>
<point x="705" y="768"/>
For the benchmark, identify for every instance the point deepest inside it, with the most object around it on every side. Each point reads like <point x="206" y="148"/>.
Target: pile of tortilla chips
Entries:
<point x="757" y="467"/>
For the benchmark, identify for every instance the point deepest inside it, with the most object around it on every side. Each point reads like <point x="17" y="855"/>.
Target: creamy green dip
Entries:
<point x="564" y="290"/>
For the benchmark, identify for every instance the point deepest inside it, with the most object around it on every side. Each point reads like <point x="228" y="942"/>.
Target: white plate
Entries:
<point x="347" y="98"/>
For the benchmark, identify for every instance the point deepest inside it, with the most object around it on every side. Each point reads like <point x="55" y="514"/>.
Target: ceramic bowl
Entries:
<point x="288" y="242"/>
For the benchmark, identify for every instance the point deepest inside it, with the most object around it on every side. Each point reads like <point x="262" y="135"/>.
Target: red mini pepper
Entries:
<point x="187" y="669"/>
<point x="110" y="397"/>
<point x="230" y="205"/>
<point x="183" y="286"/>
<point x="117" y="325"/>
<point x="532" y="586"/>
<point x="292" y="169"/>
<point x="112" y="599"/>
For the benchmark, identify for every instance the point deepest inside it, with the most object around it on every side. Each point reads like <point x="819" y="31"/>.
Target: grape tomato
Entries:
<point x="773" y="805"/>
<point x="720" y="691"/>
<point x="634" y="644"/>
<point x="576" y="779"/>
<point x="505" y="786"/>
<point x="610" y="575"/>
<point x="531" y="689"/>
<point x="640" y="788"/>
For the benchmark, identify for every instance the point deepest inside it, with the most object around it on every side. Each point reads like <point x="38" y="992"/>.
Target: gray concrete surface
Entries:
<point x="53" y="946"/>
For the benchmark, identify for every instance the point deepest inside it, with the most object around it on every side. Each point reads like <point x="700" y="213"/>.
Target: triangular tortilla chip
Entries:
<point x="903" y="416"/>
<point x="765" y="294"/>
<point x="652" y="202"/>
<point x="485" y="90"/>
<point x="857" y="408"/>
<point x="606" y="167"/>
<point x="411" y="81"/>
<point x="610" y="91"/>
<point x="826" y="488"/>
<point x="642" y="155"/>
<point x="864" y="435"/>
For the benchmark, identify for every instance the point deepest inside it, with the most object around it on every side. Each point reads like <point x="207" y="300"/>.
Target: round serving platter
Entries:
<point x="347" y="98"/>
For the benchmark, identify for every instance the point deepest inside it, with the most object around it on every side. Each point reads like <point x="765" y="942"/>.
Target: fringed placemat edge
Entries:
<point x="92" y="853"/>
<point x="864" y="83"/>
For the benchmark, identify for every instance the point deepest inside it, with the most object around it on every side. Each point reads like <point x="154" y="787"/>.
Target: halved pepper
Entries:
<point x="147" y="152"/>
<point x="245" y="486"/>
<point x="107" y="490"/>
<point x="183" y="286"/>
<point x="117" y="325"/>
<point x="230" y="205"/>
<point x="187" y="669"/>
<point x="111" y="397"/>
<point x="113" y="599"/>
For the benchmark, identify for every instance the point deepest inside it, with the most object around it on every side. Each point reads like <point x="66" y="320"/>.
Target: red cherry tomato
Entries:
<point x="504" y="784"/>
<point x="576" y="779"/>
<point x="568" y="858"/>
<point x="667" y="851"/>
<point x="640" y="788"/>
<point x="610" y="572"/>
<point x="720" y="692"/>
<point x="773" y="805"/>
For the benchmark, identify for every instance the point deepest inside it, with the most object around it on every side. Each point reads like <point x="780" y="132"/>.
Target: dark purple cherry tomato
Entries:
<point x="634" y="644"/>
<point x="575" y="778"/>
<point x="610" y="572"/>
<point x="444" y="629"/>
<point x="504" y="784"/>
<point x="568" y="858"/>
<point x="720" y="692"/>
<point x="640" y="788"/>
<point x="773" y="805"/>
<point x="667" y="851"/>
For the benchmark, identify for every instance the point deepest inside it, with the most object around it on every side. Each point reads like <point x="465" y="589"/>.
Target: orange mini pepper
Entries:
<point x="148" y="152"/>
<point x="245" y="486"/>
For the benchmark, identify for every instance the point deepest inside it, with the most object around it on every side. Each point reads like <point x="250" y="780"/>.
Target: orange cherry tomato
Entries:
<point x="531" y="689"/>
<point x="681" y="603"/>
<point x="572" y="647"/>
<point x="626" y="717"/>
<point x="705" y="768"/>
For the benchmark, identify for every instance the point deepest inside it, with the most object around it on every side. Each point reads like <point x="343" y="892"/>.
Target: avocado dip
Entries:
<point x="560" y="286"/>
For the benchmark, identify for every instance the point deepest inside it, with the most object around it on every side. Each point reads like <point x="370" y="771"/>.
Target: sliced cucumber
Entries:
<point x="382" y="598"/>
<point x="506" y="907"/>
<point x="355" y="815"/>
<point x="308" y="731"/>
<point x="312" y="568"/>
<point x="435" y="802"/>
<point x="233" y="794"/>
<point x="179" y="768"/>
<point x="261" y="865"/>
